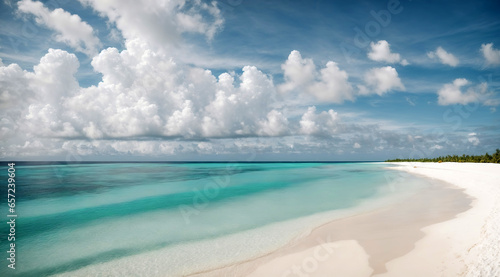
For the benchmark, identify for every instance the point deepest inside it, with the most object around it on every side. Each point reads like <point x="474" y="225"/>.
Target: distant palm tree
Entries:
<point x="486" y="158"/>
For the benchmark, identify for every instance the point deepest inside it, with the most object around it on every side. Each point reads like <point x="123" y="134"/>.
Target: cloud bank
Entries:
<point x="148" y="103"/>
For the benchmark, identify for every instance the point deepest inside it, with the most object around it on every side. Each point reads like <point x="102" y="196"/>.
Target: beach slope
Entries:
<point x="466" y="245"/>
<point x="455" y="243"/>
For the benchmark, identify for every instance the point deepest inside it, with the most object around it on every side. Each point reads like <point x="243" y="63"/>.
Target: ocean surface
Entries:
<point x="178" y="218"/>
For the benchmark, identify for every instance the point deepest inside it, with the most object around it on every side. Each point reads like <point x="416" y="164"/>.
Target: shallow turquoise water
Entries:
<point x="76" y="215"/>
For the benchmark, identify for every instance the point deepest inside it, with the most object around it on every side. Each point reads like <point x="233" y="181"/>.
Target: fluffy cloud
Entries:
<point x="472" y="138"/>
<point x="436" y="147"/>
<point x="13" y="91"/>
<point x="452" y="93"/>
<point x="119" y="116"/>
<point x="276" y="124"/>
<point x="381" y="52"/>
<point x="380" y="81"/>
<point x="491" y="55"/>
<point x="31" y="103"/>
<point x="149" y="97"/>
<point x="444" y="57"/>
<point x="190" y="102"/>
<point x="324" y="123"/>
<point x="330" y="84"/>
<point x="147" y="103"/>
<point x="69" y="27"/>
<point x="142" y="94"/>
<point x="299" y="73"/>
<point x="145" y="95"/>
<point x="158" y="22"/>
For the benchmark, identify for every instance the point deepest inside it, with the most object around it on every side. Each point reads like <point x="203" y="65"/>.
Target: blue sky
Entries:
<point x="232" y="79"/>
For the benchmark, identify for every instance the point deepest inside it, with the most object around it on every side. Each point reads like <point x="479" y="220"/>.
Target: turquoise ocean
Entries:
<point x="178" y="218"/>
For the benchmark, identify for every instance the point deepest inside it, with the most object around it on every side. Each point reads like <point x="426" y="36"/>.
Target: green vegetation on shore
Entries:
<point x="486" y="158"/>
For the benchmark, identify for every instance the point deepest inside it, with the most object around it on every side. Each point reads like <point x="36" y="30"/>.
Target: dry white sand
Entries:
<point x="466" y="244"/>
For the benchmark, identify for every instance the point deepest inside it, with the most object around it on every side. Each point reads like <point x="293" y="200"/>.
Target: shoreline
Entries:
<point x="468" y="244"/>
<point x="362" y="237"/>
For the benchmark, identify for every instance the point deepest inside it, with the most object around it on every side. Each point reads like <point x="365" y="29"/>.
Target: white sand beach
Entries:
<point x="435" y="234"/>
<point x="467" y="245"/>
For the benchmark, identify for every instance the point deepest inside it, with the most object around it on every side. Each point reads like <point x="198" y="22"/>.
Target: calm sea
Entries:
<point x="180" y="217"/>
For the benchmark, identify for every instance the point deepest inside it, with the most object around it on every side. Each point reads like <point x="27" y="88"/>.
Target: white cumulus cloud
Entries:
<point x="381" y="80"/>
<point x="330" y="84"/>
<point x="298" y="72"/>
<point x="324" y="123"/>
<point x="453" y="93"/>
<point x="444" y="57"/>
<point x="70" y="28"/>
<point x="491" y="55"/>
<point x="158" y="22"/>
<point x="472" y="138"/>
<point x="333" y="85"/>
<point x="436" y="147"/>
<point x="142" y="94"/>
<point x="381" y="52"/>
<point x="275" y="124"/>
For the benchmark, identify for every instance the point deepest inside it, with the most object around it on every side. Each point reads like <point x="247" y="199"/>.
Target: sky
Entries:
<point x="241" y="80"/>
